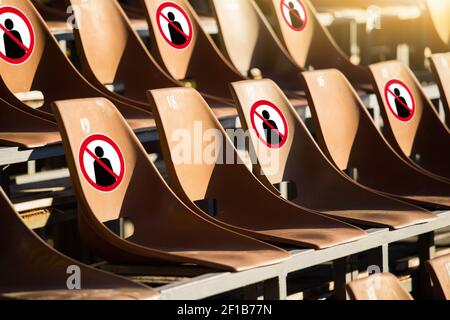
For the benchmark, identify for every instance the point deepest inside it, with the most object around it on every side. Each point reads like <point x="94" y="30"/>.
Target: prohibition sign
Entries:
<point x="174" y="25"/>
<point x="269" y="124"/>
<point x="400" y="100"/>
<point x="101" y="162"/>
<point x="17" y="39"/>
<point x="294" y="14"/>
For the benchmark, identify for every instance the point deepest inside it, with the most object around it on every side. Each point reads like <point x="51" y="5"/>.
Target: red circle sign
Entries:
<point x="101" y="162"/>
<point x="294" y="14"/>
<point x="400" y="100"/>
<point x="269" y="124"/>
<point x="174" y="25"/>
<point x="17" y="39"/>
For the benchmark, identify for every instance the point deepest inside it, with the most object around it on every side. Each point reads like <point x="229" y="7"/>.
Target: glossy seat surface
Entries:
<point x="210" y="169"/>
<point x="349" y="138"/>
<point x="113" y="178"/>
<point x="315" y="182"/>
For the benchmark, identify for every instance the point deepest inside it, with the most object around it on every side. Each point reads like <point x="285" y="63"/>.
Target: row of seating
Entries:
<point x="217" y="214"/>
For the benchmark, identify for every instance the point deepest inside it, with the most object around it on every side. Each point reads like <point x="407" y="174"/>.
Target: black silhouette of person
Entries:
<point x="270" y="129"/>
<point x="12" y="49"/>
<point x="400" y="103"/>
<point x="296" y="20"/>
<point x="176" y="36"/>
<point x="102" y="176"/>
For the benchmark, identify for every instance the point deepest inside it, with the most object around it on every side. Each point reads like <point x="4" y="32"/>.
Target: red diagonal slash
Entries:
<point x="293" y="12"/>
<point x="398" y="99"/>
<point x="271" y="127"/>
<point x="14" y="38"/>
<point x="102" y="164"/>
<point x="176" y="28"/>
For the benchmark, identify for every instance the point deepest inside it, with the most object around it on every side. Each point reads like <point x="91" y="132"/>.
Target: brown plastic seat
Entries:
<point x="311" y="45"/>
<point x="438" y="25"/>
<point x="113" y="55"/>
<point x="19" y="128"/>
<point x="241" y="201"/>
<point x="49" y="71"/>
<point x="200" y="61"/>
<point x="383" y="286"/>
<point x="248" y="41"/>
<point x="31" y="269"/>
<point x="349" y="138"/>
<point x="423" y="140"/>
<point x="165" y="230"/>
<point x="440" y="63"/>
<point x="300" y="162"/>
<point x="439" y="270"/>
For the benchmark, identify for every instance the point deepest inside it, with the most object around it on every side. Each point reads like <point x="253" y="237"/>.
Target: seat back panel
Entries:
<point x="384" y="286"/>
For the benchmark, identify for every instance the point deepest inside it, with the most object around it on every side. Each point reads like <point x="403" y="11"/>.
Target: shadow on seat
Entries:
<point x="314" y="182"/>
<point x="49" y="71"/>
<point x="349" y="138"/>
<point x="440" y="63"/>
<point x="383" y="286"/>
<point x="310" y="44"/>
<point x="204" y="166"/>
<point x="439" y="270"/>
<point x="420" y="138"/>
<point x="113" y="178"/>
<point x="31" y="269"/>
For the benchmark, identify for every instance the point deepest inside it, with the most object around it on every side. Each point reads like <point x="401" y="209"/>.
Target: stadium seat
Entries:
<point x="310" y="44"/>
<point x="220" y="185"/>
<point x="348" y="136"/>
<point x="438" y="27"/>
<point x="383" y="286"/>
<point x="120" y="181"/>
<point x="27" y="130"/>
<point x="31" y="269"/>
<point x="440" y="63"/>
<point x="189" y="63"/>
<point x="300" y="163"/>
<point x="49" y="71"/>
<point x="125" y="67"/>
<point x="439" y="269"/>
<point x="248" y="41"/>
<point x="412" y="126"/>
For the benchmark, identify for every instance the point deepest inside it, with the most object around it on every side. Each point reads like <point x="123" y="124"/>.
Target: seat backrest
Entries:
<point x="408" y="115"/>
<point x="301" y="32"/>
<point x="183" y="48"/>
<point x="204" y="159"/>
<point x="438" y="13"/>
<point x="342" y="122"/>
<point x="294" y="147"/>
<point x="175" y="39"/>
<point x="110" y="170"/>
<point x="440" y="63"/>
<point x="383" y="286"/>
<point x="46" y="69"/>
<point x="307" y="41"/>
<point x="248" y="40"/>
<point x="110" y="50"/>
<point x="439" y="269"/>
